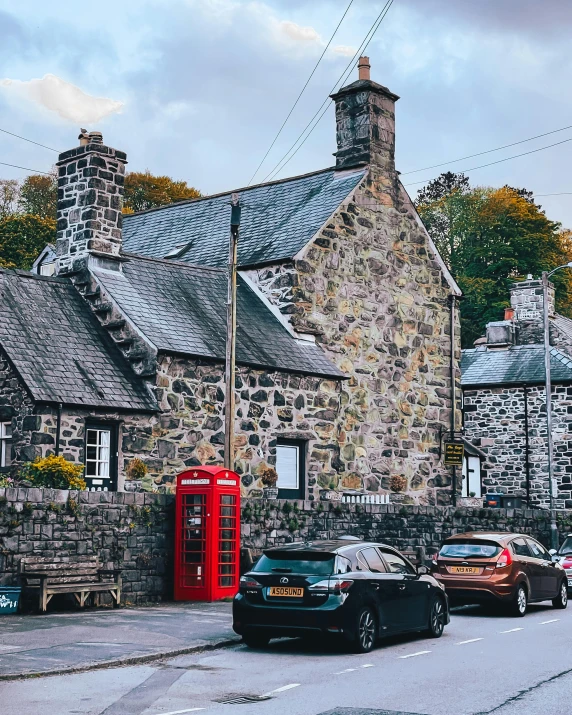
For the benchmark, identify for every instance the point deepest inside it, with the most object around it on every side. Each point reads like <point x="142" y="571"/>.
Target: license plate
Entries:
<point x="464" y="569"/>
<point x="570" y="582"/>
<point x="286" y="591"/>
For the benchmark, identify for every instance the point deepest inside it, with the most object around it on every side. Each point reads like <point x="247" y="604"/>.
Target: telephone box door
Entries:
<point x="191" y="581"/>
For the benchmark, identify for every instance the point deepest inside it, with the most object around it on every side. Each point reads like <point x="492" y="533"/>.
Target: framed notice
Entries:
<point x="454" y="453"/>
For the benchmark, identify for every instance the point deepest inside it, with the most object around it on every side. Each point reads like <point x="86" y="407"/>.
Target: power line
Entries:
<point x="563" y="193"/>
<point x="499" y="161"/>
<point x="302" y="91"/>
<point x="28" y="140"/>
<point x="488" y="151"/>
<point x="369" y="36"/>
<point x="33" y="171"/>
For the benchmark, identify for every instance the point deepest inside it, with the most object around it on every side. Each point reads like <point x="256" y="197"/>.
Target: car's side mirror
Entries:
<point x="555" y="557"/>
<point x="422" y="570"/>
<point x="552" y="552"/>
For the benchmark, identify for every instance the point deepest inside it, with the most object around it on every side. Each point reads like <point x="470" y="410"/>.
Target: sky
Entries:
<point x="197" y="89"/>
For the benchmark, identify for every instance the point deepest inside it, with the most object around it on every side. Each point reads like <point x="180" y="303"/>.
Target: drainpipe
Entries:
<point x="452" y="299"/>
<point x="58" y="428"/>
<point x="526" y="446"/>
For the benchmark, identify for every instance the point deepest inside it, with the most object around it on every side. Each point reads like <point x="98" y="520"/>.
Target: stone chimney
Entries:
<point x="365" y="123"/>
<point x="90" y="199"/>
<point x="527" y="302"/>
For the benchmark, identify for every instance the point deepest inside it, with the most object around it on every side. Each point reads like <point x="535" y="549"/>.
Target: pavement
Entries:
<point x="96" y="638"/>
<point x="484" y="664"/>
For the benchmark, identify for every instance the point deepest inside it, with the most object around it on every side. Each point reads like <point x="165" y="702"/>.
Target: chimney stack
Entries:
<point x="365" y="123"/>
<point x="90" y="199"/>
<point x="527" y="302"/>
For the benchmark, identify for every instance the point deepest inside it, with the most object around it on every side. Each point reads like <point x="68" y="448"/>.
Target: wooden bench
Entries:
<point x="79" y="575"/>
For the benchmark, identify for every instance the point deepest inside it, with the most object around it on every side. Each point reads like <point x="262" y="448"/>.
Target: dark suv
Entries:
<point x="356" y="589"/>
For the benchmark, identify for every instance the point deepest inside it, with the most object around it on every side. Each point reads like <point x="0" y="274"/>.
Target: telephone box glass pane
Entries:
<point x="227" y="541"/>
<point x="193" y="541"/>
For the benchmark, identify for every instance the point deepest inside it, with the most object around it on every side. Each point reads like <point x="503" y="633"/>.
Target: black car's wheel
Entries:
<point x="437" y="618"/>
<point x="256" y="640"/>
<point x="366" y="631"/>
<point x="519" y="604"/>
<point x="561" y="601"/>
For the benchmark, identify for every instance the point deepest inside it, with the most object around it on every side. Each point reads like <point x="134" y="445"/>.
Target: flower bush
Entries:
<point x="6" y="481"/>
<point x="55" y="473"/>
<point x="398" y="483"/>
<point x="137" y="471"/>
<point x="268" y="476"/>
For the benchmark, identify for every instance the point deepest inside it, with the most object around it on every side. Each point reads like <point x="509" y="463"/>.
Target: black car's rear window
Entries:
<point x="307" y="564"/>
<point x="469" y="549"/>
<point x="566" y="547"/>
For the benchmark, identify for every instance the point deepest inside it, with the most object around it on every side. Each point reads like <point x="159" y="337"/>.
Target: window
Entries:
<point x="47" y="269"/>
<point x="305" y="564"/>
<point x="469" y="549"/>
<point x="520" y="548"/>
<point x="538" y="551"/>
<point x="101" y="457"/>
<point x="396" y="564"/>
<point x="290" y="468"/>
<point x="471" y="476"/>
<point x="373" y="560"/>
<point x="5" y="444"/>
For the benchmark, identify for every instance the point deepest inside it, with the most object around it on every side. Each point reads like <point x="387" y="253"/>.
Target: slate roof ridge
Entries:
<point x="170" y="262"/>
<point x="237" y="191"/>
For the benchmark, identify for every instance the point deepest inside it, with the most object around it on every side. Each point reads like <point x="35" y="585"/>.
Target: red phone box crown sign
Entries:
<point x="207" y="534"/>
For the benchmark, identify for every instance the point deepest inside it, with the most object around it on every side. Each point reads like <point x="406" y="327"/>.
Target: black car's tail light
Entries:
<point x="332" y="586"/>
<point x="249" y="583"/>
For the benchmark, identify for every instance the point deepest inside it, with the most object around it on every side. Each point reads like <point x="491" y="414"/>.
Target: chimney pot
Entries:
<point x="509" y="313"/>
<point x="364" y="68"/>
<point x="95" y="138"/>
<point x="83" y="137"/>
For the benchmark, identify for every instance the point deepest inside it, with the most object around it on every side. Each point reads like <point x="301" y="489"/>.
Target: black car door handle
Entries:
<point x="401" y="587"/>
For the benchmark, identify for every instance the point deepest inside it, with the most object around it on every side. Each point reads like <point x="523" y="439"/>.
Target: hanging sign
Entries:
<point x="454" y="453"/>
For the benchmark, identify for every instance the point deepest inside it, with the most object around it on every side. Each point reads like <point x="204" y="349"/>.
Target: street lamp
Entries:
<point x="548" y="389"/>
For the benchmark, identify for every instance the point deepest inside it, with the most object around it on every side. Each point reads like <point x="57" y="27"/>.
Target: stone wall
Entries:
<point x="495" y="422"/>
<point x="372" y="292"/>
<point x="133" y="532"/>
<point x="16" y="406"/>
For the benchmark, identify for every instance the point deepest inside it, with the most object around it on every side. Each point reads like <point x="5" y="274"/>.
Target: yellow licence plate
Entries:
<point x="464" y="569"/>
<point x="286" y="591"/>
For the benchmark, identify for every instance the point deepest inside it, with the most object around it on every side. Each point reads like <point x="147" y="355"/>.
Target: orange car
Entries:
<point x="509" y="569"/>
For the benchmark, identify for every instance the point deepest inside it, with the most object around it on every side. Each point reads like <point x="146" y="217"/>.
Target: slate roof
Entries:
<point x="59" y="348"/>
<point x="182" y="309"/>
<point x="518" y="365"/>
<point x="278" y="220"/>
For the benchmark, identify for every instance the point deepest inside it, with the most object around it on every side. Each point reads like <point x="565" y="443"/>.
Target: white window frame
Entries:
<point x="102" y="461"/>
<point x="471" y="476"/>
<point x="47" y="269"/>
<point x="285" y="455"/>
<point x="5" y="444"/>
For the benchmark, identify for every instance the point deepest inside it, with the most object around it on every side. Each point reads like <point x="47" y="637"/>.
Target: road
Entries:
<point x="483" y="664"/>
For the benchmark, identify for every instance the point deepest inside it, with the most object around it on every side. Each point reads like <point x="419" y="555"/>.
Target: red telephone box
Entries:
<point x="207" y="534"/>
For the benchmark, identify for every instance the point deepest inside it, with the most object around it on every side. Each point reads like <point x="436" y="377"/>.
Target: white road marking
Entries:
<point x="553" y="620"/>
<point x="512" y="630"/>
<point x="368" y="665"/>
<point x="178" y="712"/>
<point x="412" y="655"/>
<point x="280" y="690"/>
<point x="347" y="670"/>
<point x="471" y="640"/>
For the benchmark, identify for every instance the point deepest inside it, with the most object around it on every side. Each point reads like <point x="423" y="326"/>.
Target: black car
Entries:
<point x="357" y="589"/>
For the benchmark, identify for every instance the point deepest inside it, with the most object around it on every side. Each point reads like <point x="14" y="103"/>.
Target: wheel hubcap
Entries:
<point x="564" y="592"/>
<point x="437" y="617"/>
<point x="366" y="630"/>
<point x="521" y="600"/>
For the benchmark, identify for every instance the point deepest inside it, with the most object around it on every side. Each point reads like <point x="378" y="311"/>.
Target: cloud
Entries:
<point x="344" y="50"/>
<point x="298" y="33"/>
<point x="67" y="100"/>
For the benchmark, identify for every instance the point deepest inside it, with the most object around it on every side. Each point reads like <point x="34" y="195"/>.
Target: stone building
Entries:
<point x="343" y="338"/>
<point x="504" y="400"/>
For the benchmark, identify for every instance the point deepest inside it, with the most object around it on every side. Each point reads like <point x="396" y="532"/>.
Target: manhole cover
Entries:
<point x="239" y="699"/>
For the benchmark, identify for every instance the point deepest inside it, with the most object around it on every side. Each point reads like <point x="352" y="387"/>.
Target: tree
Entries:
<point x="145" y="191"/>
<point x="9" y="194"/>
<point x="489" y="238"/>
<point x="39" y="195"/>
<point x="22" y="237"/>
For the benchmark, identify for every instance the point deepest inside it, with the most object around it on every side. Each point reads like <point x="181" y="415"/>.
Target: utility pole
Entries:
<point x="548" y="390"/>
<point x="452" y="298"/>
<point x="230" y="356"/>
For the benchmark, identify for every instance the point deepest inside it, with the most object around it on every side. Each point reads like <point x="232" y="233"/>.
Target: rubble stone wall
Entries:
<point x="372" y="292"/>
<point x="494" y="421"/>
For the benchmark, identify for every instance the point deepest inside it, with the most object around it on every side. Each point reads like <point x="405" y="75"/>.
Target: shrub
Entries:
<point x="137" y="471"/>
<point x="6" y="481"/>
<point x="55" y="473"/>
<point x="268" y="476"/>
<point x="398" y="483"/>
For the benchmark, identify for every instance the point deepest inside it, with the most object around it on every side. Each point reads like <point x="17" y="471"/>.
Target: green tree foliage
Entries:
<point x="39" y="195"/>
<point x="145" y="191"/>
<point x="22" y="237"/>
<point x="490" y="238"/>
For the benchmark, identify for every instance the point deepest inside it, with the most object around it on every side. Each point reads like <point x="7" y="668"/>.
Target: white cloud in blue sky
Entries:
<point x="198" y="88"/>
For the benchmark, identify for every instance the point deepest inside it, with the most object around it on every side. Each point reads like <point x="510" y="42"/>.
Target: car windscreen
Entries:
<point x="566" y="547"/>
<point x="307" y="564"/>
<point x="469" y="549"/>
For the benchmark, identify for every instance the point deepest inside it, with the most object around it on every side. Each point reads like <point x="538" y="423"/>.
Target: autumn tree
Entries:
<point x="22" y="238"/>
<point x="489" y="238"/>
<point x="9" y="195"/>
<point x="39" y="195"/>
<point x="144" y="191"/>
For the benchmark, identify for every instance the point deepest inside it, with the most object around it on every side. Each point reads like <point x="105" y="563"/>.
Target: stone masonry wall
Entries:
<point x="371" y="291"/>
<point x="495" y="421"/>
<point x="133" y="532"/>
<point x="16" y="406"/>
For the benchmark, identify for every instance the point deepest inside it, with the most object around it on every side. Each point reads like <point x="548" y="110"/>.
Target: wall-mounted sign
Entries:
<point x="195" y="481"/>
<point x="454" y="453"/>
<point x="228" y="482"/>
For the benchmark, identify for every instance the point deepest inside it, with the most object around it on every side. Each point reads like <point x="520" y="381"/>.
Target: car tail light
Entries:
<point x="504" y="559"/>
<point x="249" y="582"/>
<point x="332" y="586"/>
